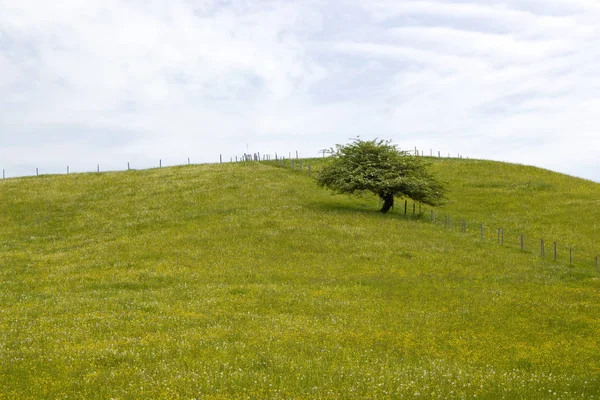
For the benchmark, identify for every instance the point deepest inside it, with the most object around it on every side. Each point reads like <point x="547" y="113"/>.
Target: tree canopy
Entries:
<point x="379" y="167"/>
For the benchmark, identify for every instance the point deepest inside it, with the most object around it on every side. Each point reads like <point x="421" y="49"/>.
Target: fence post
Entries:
<point x="570" y="255"/>
<point x="522" y="243"/>
<point x="3" y="174"/>
<point x="67" y="170"/>
<point x="220" y="158"/>
<point x="542" y="252"/>
<point x="189" y="161"/>
<point x="37" y="172"/>
<point x="98" y="169"/>
<point x="160" y="163"/>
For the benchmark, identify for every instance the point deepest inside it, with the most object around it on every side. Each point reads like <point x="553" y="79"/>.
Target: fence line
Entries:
<point x="574" y="254"/>
<point x="238" y="158"/>
<point x="525" y="244"/>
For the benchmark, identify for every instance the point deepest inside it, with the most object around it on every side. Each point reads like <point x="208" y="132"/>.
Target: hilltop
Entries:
<point x="247" y="281"/>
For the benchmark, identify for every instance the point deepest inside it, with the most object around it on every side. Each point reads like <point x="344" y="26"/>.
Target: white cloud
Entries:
<point x="111" y="81"/>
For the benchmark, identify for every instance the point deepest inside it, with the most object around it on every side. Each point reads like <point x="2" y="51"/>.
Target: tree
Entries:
<point x="379" y="167"/>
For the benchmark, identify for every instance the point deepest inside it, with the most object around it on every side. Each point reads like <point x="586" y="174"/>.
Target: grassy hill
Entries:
<point x="248" y="281"/>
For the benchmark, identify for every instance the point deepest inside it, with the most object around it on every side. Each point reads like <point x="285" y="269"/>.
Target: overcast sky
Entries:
<point x="87" y="82"/>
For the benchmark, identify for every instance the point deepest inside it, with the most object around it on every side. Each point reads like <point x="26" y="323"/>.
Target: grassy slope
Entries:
<point x="246" y="280"/>
<point x="535" y="202"/>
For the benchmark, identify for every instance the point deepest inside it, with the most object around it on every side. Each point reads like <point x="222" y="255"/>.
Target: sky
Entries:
<point x="88" y="82"/>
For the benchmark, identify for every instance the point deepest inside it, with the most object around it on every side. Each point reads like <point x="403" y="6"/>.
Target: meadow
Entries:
<point x="246" y="280"/>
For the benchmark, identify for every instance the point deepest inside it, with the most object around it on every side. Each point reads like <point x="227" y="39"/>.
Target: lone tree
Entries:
<point x="379" y="167"/>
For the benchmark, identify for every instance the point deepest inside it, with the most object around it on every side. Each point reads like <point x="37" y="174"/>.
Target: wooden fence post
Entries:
<point x="570" y="255"/>
<point x="67" y="170"/>
<point x="98" y="168"/>
<point x="522" y="243"/>
<point x="37" y="172"/>
<point x="542" y="250"/>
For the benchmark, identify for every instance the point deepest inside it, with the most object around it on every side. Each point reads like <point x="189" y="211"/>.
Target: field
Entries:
<point x="246" y="280"/>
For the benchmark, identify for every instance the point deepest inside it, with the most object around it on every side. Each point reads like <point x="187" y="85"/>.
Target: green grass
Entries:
<point x="247" y="281"/>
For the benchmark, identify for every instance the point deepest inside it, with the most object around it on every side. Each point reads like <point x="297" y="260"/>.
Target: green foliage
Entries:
<point x="244" y="281"/>
<point x="379" y="167"/>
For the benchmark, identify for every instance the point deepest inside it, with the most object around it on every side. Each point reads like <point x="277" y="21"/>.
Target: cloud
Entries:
<point x="119" y="80"/>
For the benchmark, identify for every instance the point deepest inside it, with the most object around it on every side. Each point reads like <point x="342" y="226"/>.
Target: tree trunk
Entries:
<point x="388" y="202"/>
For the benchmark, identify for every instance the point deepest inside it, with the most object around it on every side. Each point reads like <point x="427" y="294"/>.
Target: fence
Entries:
<point x="239" y="158"/>
<point x="502" y="236"/>
<point x="552" y="249"/>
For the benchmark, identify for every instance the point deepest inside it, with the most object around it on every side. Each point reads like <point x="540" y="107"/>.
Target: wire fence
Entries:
<point x="548" y="248"/>
<point x="553" y="249"/>
<point x="280" y="157"/>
